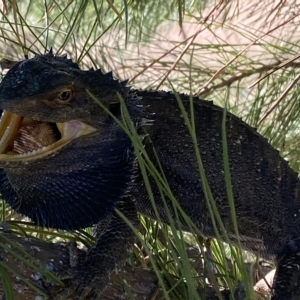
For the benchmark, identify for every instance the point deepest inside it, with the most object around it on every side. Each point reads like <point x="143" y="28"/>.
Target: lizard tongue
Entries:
<point x="33" y="136"/>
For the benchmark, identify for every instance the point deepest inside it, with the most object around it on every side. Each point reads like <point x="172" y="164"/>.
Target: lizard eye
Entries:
<point x="64" y="97"/>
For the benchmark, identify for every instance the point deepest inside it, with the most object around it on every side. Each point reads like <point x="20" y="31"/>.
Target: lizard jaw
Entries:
<point x="11" y="123"/>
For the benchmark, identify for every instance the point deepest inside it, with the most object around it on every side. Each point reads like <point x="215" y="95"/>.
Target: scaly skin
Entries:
<point x="84" y="181"/>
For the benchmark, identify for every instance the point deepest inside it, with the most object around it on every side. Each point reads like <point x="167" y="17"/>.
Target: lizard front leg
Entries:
<point x="107" y="255"/>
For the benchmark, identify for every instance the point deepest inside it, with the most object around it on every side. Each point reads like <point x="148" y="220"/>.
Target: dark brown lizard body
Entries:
<point x="82" y="182"/>
<point x="266" y="190"/>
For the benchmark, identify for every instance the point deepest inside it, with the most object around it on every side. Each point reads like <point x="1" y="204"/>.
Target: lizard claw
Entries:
<point x="85" y="284"/>
<point x="88" y="288"/>
<point x="79" y="287"/>
<point x="80" y="281"/>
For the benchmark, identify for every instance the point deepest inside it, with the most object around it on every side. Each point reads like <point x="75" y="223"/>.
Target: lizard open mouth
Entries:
<point x="24" y="139"/>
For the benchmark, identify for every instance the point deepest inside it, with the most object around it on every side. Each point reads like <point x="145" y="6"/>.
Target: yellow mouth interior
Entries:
<point x="17" y="131"/>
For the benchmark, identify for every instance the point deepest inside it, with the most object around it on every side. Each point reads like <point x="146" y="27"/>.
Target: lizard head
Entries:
<point x="65" y="163"/>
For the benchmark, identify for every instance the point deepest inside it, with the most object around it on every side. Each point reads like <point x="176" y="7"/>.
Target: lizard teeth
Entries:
<point x="11" y="123"/>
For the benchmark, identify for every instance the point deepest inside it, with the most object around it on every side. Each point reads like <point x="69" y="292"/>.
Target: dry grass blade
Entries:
<point x="202" y="89"/>
<point x="278" y="67"/>
<point x="220" y="6"/>
<point x="112" y="6"/>
<point x="281" y="98"/>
